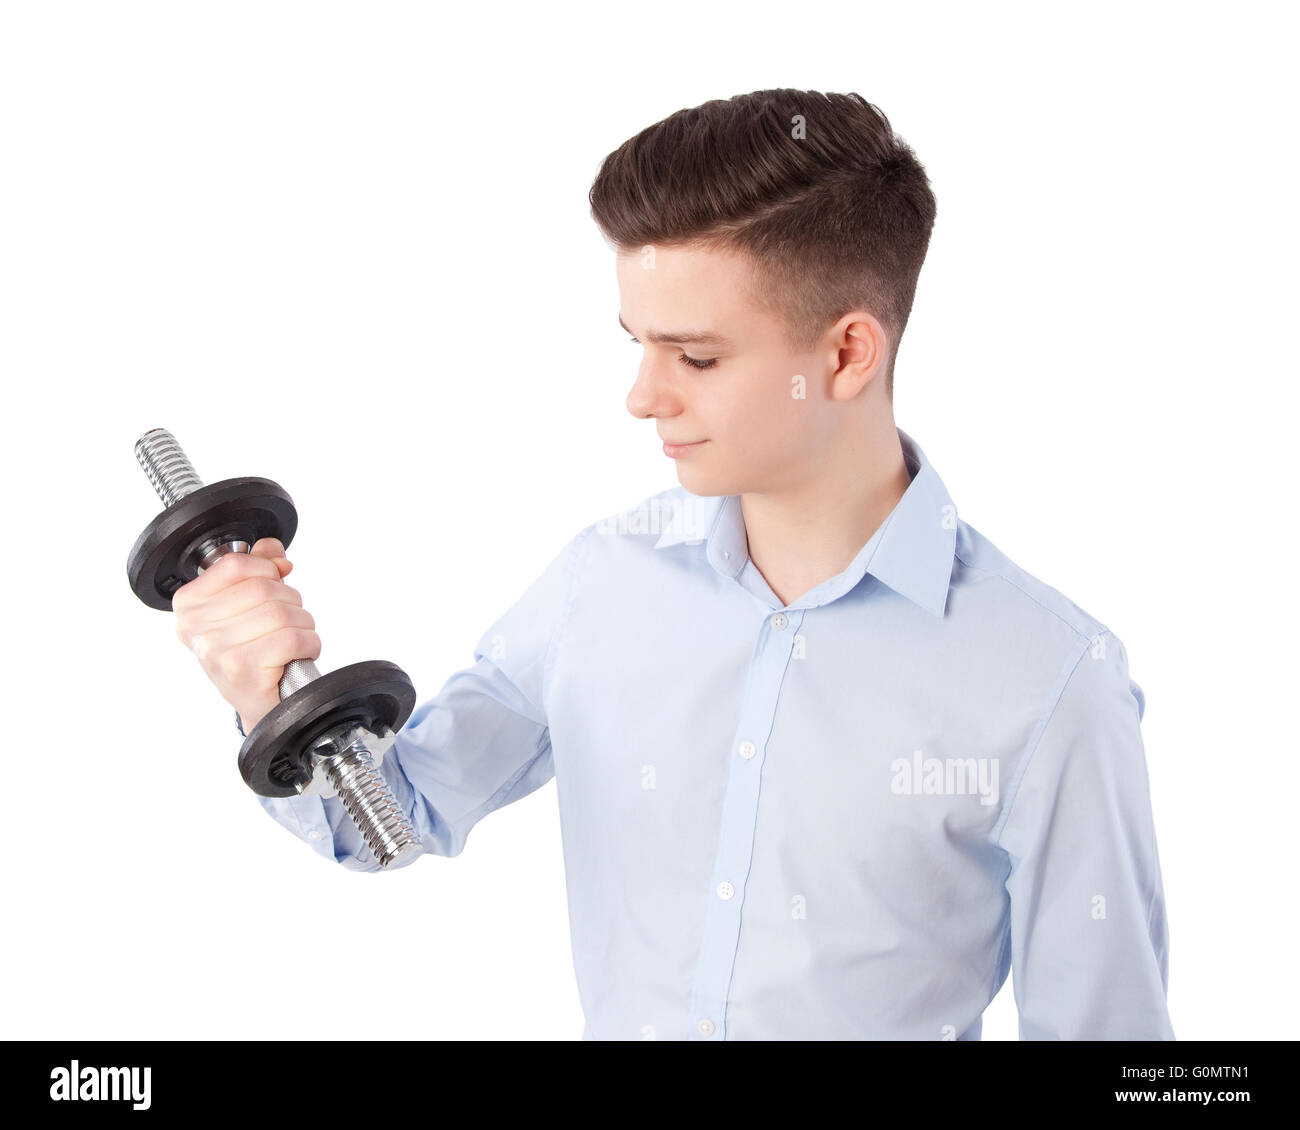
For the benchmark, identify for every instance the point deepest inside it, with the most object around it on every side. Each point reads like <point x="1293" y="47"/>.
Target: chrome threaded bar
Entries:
<point x="362" y="788"/>
<point x="366" y="795"/>
<point x="171" y="473"/>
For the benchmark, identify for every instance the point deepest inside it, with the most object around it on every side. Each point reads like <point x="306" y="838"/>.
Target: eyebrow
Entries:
<point x="681" y="337"/>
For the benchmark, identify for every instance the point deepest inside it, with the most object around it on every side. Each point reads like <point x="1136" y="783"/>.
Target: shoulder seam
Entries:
<point x="1103" y="630"/>
<point x="1035" y="739"/>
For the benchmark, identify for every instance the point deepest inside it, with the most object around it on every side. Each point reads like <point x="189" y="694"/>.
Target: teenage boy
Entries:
<point x="828" y="763"/>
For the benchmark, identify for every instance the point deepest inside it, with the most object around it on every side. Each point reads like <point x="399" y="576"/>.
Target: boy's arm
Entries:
<point x="1089" y="939"/>
<point x="479" y="744"/>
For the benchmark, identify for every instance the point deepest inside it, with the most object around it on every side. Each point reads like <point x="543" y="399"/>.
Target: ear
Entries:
<point x="861" y="348"/>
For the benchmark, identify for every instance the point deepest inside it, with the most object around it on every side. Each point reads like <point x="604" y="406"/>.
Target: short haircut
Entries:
<point x="832" y="207"/>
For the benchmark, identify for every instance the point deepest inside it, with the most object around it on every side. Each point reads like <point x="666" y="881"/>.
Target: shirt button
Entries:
<point x="725" y="890"/>
<point x="313" y="835"/>
<point x="747" y="750"/>
<point x="705" y="1026"/>
<point x="779" y="621"/>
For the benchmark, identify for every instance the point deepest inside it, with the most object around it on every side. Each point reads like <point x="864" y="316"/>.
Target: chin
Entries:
<point x="706" y="483"/>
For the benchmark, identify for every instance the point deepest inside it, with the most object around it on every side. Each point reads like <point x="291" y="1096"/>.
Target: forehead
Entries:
<point x="659" y="284"/>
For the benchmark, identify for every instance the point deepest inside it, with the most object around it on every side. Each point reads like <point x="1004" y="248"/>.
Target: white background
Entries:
<point x="347" y="247"/>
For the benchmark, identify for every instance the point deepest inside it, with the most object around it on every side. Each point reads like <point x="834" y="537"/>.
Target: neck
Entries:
<point x="810" y="530"/>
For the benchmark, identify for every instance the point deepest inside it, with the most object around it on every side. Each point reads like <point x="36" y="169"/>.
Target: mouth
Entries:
<point x="675" y="449"/>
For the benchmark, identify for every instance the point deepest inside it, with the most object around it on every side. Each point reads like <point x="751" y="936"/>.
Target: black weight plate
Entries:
<point x="244" y="509"/>
<point x="375" y="694"/>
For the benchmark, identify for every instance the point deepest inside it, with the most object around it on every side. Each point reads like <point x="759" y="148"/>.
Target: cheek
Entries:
<point x="758" y="408"/>
<point x="780" y="412"/>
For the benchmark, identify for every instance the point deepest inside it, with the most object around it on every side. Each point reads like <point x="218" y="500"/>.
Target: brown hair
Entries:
<point x="832" y="207"/>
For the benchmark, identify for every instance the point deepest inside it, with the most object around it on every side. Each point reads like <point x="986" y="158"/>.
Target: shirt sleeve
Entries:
<point x="479" y="744"/>
<point x="1088" y="933"/>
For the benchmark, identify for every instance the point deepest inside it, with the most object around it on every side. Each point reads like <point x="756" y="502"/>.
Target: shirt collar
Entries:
<point x="911" y="552"/>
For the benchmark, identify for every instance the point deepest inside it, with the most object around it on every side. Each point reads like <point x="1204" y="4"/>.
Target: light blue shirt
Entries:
<point x="840" y="818"/>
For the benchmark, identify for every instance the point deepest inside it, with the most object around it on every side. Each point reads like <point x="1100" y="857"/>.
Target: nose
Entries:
<point x="652" y="394"/>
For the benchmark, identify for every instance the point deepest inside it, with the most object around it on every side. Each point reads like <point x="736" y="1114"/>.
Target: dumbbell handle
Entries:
<point x="362" y="788"/>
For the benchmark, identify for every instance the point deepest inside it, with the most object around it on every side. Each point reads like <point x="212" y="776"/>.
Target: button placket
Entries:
<point x="721" y="933"/>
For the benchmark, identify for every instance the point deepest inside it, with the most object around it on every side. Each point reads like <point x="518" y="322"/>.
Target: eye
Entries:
<point x="693" y="362"/>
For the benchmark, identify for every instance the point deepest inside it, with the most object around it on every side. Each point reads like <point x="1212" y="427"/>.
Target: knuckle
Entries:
<point x="266" y="588"/>
<point x="230" y="665"/>
<point x="229" y="565"/>
<point x="244" y="565"/>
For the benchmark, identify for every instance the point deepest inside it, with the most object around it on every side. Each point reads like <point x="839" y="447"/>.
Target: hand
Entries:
<point x="245" y="625"/>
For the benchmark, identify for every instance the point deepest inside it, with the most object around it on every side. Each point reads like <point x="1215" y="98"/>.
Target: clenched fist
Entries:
<point x="245" y="625"/>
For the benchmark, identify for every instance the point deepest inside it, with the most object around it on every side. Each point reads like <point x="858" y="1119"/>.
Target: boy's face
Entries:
<point x="760" y="417"/>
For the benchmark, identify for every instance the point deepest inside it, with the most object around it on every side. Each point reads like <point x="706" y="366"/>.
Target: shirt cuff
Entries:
<point x="305" y="817"/>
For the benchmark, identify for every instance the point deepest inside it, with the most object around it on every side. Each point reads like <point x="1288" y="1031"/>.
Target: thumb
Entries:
<point x="273" y="550"/>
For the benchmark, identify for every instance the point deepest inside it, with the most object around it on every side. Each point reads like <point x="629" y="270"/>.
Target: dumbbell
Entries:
<point x="319" y="739"/>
